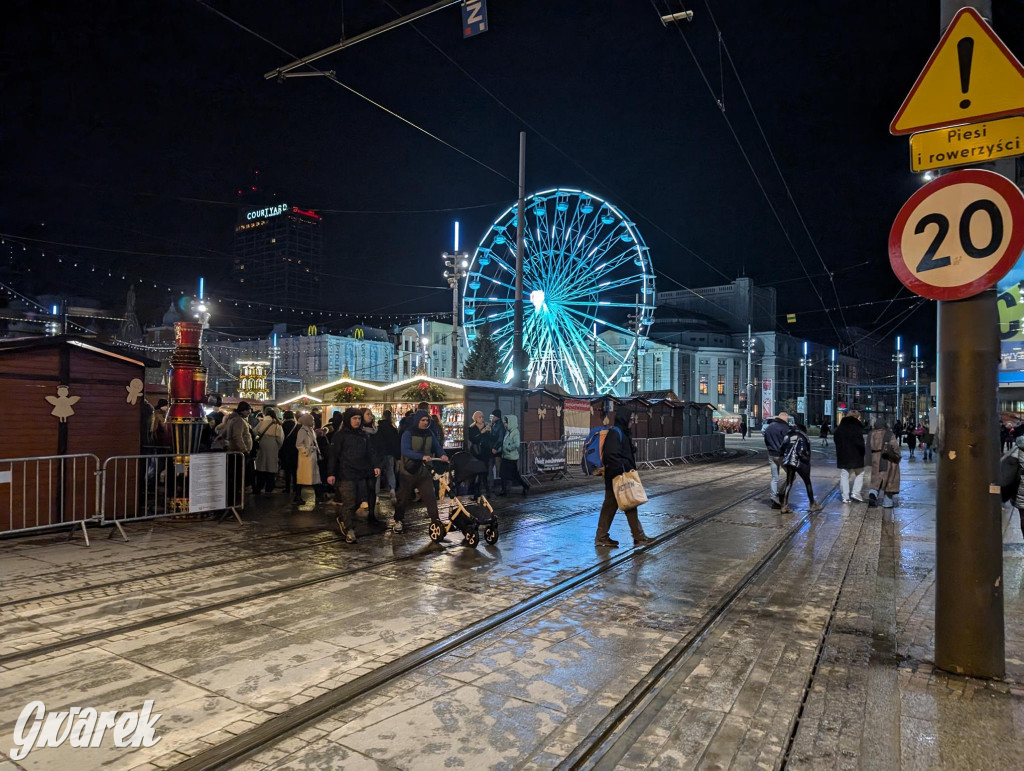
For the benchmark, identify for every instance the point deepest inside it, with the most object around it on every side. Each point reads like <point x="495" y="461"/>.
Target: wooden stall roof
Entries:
<point x="17" y="344"/>
<point x="657" y="396"/>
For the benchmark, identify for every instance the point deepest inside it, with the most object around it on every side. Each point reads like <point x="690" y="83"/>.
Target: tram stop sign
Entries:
<point x="958" y="235"/>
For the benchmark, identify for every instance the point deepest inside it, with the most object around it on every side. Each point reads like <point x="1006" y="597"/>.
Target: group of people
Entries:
<point x="858" y="448"/>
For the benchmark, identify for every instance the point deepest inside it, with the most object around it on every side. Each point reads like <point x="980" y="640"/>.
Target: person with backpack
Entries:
<point x="617" y="457"/>
<point x="796" y="459"/>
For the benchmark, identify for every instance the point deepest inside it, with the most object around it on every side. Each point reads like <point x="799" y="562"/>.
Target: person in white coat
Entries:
<point x="270" y="435"/>
<point x="308" y="473"/>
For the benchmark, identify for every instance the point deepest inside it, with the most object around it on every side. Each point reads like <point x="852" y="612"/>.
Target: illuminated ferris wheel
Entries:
<point x="585" y="269"/>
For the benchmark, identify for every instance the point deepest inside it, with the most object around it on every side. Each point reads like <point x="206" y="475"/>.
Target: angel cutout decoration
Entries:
<point x="134" y="390"/>
<point x="62" y="403"/>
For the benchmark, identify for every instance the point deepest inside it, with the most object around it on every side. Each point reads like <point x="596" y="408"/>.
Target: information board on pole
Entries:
<point x="958" y="235"/>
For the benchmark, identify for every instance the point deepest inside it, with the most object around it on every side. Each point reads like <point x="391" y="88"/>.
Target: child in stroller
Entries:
<point x="463" y="468"/>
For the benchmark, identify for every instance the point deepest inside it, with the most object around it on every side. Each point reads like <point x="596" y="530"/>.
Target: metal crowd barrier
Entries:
<point x="49" y="492"/>
<point x="142" y="487"/>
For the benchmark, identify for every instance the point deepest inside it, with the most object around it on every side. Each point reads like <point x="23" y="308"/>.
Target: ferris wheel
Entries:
<point x="586" y="270"/>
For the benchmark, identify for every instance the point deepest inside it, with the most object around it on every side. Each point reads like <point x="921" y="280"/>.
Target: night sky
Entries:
<point x="131" y="126"/>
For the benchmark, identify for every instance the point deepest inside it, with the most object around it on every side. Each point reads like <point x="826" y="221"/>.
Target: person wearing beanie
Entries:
<point x="419" y="447"/>
<point x="498" y="432"/>
<point x="350" y="463"/>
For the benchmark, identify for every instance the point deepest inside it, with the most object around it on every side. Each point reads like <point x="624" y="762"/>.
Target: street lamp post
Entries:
<point x="917" y="364"/>
<point x="275" y="354"/>
<point x="898" y="358"/>
<point x="805" y="362"/>
<point x="833" y="368"/>
<point x="457" y="265"/>
<point x="749" y="343"/>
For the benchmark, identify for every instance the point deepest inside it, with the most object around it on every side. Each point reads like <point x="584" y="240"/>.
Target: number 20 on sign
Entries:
<point x="958" y="235"/>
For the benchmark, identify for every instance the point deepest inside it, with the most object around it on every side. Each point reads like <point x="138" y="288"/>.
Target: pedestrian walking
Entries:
<point x="823" y="432"/>
<point x="307" y="473"/>
<point x="1018" y="501"/>
<point x="618" y="457"/>
<point x="419" y="447"/>
<point x="510" y="457"/>
<point x="774" y="435"/>
<point x="368" y="495"/>
<point x="743" y="430"/>
<point x="927" y="441"/>
<point x="352" y="462"/>
<point x="796" y="460"/>
<point x="270" y="436"/>
<point x="849" y="442"/>
<point x="388" y="450"/>
<point x="884" y="449"/>
<point x="912" y="441"/>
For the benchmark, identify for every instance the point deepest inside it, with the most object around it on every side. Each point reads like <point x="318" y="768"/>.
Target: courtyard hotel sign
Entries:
<point x="271" y="211"/>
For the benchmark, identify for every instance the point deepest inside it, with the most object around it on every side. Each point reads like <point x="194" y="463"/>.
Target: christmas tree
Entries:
<point x="482" y="362"/>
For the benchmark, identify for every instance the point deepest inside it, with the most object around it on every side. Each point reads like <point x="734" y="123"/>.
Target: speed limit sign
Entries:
<point x="958" y="235"/>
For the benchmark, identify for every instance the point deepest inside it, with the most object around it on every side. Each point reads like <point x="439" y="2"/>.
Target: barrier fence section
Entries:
<point x="49" y="492"/>
<point x="141" y="487"/>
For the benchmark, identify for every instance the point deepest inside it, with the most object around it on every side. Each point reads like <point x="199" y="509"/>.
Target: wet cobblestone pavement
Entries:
<point x="396" y="653"/>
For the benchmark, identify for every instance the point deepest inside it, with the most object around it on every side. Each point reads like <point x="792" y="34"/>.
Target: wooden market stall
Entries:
<point x="642" y="414"/>
<point x="543" y="415"/>
<point x="65" y="396"/>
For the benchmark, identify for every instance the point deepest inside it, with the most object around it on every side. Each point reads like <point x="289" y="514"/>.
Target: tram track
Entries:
<point x="124" y="582"/>
<point x="604" y="746"/>
<point x="428" y="550"/>
<point x="304" y="715"/>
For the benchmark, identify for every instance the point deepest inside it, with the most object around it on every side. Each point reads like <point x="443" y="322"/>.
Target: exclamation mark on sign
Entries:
<point x="965" y="51"/>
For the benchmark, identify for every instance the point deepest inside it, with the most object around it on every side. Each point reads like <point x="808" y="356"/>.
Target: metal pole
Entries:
<point x="636" y="344"/>
<point x="357" y="39"/>
<point x="969" y="632"/>
<point x="898" y="358"/>
<point x="595" y="357"/>
<point x="806" y="406"/>
<point x="833" y="412"/>
<point x="750" y="376"/>
<point x="518" y="366"/>
<point x="917" y="385"/>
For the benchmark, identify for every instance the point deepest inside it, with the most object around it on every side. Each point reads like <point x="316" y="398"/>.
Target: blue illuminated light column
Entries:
<point x="898" y="358"/>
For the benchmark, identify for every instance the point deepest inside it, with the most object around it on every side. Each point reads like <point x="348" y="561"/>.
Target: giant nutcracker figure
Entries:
<point x="187" y="392"/>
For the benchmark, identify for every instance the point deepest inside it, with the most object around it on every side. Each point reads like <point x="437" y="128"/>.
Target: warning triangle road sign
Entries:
<point x="971" y="76"/>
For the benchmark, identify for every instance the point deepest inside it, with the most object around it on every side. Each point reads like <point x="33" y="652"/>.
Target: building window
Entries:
<point x="703" y="384"/>
<point x="721" y="384"/>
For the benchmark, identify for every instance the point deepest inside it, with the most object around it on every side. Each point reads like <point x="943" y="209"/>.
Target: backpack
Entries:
<point x="593" y="449"/>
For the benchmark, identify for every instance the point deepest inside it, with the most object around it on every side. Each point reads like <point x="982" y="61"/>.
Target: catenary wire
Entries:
<point x="353" y="91"/>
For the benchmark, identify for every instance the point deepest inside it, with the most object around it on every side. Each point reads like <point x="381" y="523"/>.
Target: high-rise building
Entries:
<point x="277" y="255"/>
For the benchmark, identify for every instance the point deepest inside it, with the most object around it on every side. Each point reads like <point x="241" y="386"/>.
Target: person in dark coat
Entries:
<point x="388" y="449"/>
<point x="774" y="435"/>
<point x="497" y="442"/>
<point x="351" y="461"/>
<point x="478" y="442"/>
<point x="617" y="457"/>
<point x="289" y="459"/>
<point x="823" y="432"/>
<point x="849" y="441"/>
<point x="911" y="439"/>
<point x="288" y="422"/>
<point x="796" y="460"/>
<point x="419" y="447"/>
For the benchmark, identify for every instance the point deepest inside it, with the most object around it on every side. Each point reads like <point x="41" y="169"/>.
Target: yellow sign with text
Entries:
<point x="971" y="76"/>
<point x="967" y="145"/>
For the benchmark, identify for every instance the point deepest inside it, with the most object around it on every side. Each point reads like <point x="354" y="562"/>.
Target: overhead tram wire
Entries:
<point x="625" y="203"/>
<point x="771" y="153"/>
<point x="353" y="91"/>
<point x="753" y="171"/>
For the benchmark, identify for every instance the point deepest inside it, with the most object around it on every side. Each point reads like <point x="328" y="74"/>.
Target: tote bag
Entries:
<point x="629" y="493"/>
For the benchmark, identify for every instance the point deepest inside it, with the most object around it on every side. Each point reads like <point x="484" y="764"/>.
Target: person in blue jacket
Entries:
<point x="419" y="447"/>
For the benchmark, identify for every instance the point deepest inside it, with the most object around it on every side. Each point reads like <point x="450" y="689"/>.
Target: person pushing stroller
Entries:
<point x="418" y="449"/>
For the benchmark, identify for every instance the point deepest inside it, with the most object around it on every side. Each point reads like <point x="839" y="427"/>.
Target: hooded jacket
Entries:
<point x="796" y="450"/>
<point x="510" y="444"/>
<point x="352" y="456"/>
<point x="849" y="439"/>
<point x="386" y="440"/>
<point x="775" y="435"/>
<point x="417" y="442"/>
<point x="617" y="454"/>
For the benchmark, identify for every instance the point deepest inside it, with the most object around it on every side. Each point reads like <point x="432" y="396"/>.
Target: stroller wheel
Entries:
<point x="472" y="538"/>
<point x="491" y="534"/>
<point x="435" y="531"/>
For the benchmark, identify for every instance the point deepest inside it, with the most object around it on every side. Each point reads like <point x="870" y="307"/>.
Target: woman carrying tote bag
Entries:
<point x="618" y="460"/>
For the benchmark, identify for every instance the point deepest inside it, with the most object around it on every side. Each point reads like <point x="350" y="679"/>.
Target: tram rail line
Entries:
<point x="426" y="551"/>
<point x="303" y="715"/>
<point x="517" y="527"/>
<point x="597" y="749"/>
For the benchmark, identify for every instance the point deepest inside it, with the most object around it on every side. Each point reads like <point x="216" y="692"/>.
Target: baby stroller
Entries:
<point x="455" y="514"/>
